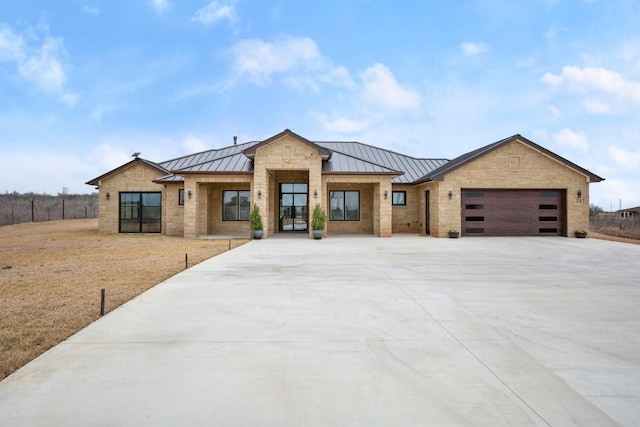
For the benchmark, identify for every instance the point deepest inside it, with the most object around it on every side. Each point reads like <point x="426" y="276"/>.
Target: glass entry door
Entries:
<point x="293" y="207"/>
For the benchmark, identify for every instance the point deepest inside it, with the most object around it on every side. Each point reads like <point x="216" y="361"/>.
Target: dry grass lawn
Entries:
<point x="51" y="274"/>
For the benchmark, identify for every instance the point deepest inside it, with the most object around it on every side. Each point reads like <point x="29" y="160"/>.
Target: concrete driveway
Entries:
<point x="359" y="331"/>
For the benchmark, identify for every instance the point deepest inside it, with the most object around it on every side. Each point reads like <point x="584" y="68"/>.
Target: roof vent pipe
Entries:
<point x="235" y="140"/>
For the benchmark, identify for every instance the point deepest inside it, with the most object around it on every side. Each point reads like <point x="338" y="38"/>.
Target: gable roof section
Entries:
<point x="341" y="163"/>
<point x="251" y="151"/>
<point x="96" y="181"/>
<point x="198" y="161"/>
<point x="411" y="168"/>
<point x="439" y="173"/>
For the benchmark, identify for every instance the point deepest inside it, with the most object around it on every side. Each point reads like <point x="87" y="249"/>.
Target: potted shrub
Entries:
<point x="581" y="234"/>
<point x="453" y="233"/>
<point x="318" y="220"/>
<point x="255" y="222"/>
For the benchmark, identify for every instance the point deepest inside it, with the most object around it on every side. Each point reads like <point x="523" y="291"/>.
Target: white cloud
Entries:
<point x="472" y="49"/>
<point x="527" y="62"/>
<point x="214" y="12"/>
<point x="597" y="107"/>
<point x="600" y="79"/>
<point x="108" y="157"/>
<point x="160" y="5"/>
<point x="552" y="32"/>
<point x="624" y="158"/>
<point x="91" y="10"/>
<point x="381" y="89"/>
<point x="338" y="76"/>
<point x="11" y="45"/>
<point x="194" y="144"/>
<point x="69" y="98"/>
<point x="43" y="66"/>
<point x="259" y="60"/>
<point x="555" y="111"/>
<point x="572" y="139"/>
<point x="39" y="65"/>
<point x="345" y="126"/>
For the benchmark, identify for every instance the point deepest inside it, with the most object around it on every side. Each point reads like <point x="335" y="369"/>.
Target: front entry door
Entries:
<point x="293" y="207"/>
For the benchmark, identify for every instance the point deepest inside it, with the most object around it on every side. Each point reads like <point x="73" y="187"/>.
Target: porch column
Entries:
<point x="190" y="209"/>
<point x="316" y="196"/>
<point x="384" y="212"/>
<point x="260" y="195"/>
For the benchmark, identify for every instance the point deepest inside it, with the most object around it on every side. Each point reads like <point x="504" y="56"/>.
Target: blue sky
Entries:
<point x="85" y="83"/>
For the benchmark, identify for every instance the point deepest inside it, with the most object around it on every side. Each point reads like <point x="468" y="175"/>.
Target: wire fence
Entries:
<point x="17" y="209"/>
<point x="612" y="224"/>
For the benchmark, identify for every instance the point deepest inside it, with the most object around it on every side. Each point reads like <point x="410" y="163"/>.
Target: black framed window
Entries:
<point x="236" y="205"/>
<point x="140" y="212"/>
<point x="344" y="206"/>
<point x="399" y="198"/>
<point x="181" y="197"/>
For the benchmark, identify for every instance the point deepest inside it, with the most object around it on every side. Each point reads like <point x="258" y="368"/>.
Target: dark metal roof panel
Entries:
<point x="413" y="168"/>
<point x="232" y="164"/>
<point x="342" y="163"/>
<point x="205" y="156"/>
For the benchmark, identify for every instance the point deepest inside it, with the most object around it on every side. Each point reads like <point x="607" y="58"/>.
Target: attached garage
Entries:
<point x="513" y="212"/>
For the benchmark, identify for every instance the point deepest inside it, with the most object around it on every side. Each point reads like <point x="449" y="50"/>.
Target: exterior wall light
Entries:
<point x="189" y="193"/>
<point x="386" y="194"/>
<point x="579" y="194"/>
<point x="259" y="194"/>
<point x="108" y="195"/>
<point x="315" y="194"/>
<point x="450" y="194"/>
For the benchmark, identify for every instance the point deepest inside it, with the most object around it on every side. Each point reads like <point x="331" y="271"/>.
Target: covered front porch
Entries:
<point x="221" y="205"/>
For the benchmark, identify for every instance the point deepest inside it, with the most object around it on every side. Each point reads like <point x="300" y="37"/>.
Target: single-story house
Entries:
<point x="512" y="187"/>
<point x="629" y="212"/>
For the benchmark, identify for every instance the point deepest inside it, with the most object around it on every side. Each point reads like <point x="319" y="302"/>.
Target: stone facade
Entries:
<point x="512" y="166"/>
<point x="137" y="176"/>
<point x="287" y="158"/>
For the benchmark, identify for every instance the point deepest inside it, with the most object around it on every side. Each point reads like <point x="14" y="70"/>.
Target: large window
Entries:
<point x="399" y="198"/>
<point x="344" y="206"/>
<point x="140" y="212"/>
<point x="236" y="205"/>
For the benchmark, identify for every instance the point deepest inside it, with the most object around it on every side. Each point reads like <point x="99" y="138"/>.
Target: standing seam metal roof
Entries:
<point x="348" y="157"/>
<point x="413" y="168"/>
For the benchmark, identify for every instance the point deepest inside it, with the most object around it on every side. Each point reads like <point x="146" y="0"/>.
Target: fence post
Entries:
<point x="63" y="209"/>
<point x="32" y="210"/>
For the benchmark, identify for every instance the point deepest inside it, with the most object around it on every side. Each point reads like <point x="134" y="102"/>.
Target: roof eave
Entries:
<point x="96" y="181"/>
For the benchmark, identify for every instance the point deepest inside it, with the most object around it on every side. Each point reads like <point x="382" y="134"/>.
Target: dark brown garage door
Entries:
<point x="512" y="212"/>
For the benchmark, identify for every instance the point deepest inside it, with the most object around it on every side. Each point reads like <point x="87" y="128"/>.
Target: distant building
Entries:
<point x="629" y="213"/>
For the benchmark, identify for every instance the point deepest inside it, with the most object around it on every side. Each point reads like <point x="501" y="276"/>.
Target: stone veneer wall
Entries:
<point x="216" y="224"/>
<point x="284" y="154"/>
<point x="172" y="211"/>
<point x="514" y="166"/>
<point x="375" y="210"/>
<point x="201" y="211"/>
<point x="137" y="177"/>
<point x="407" y="219"/>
